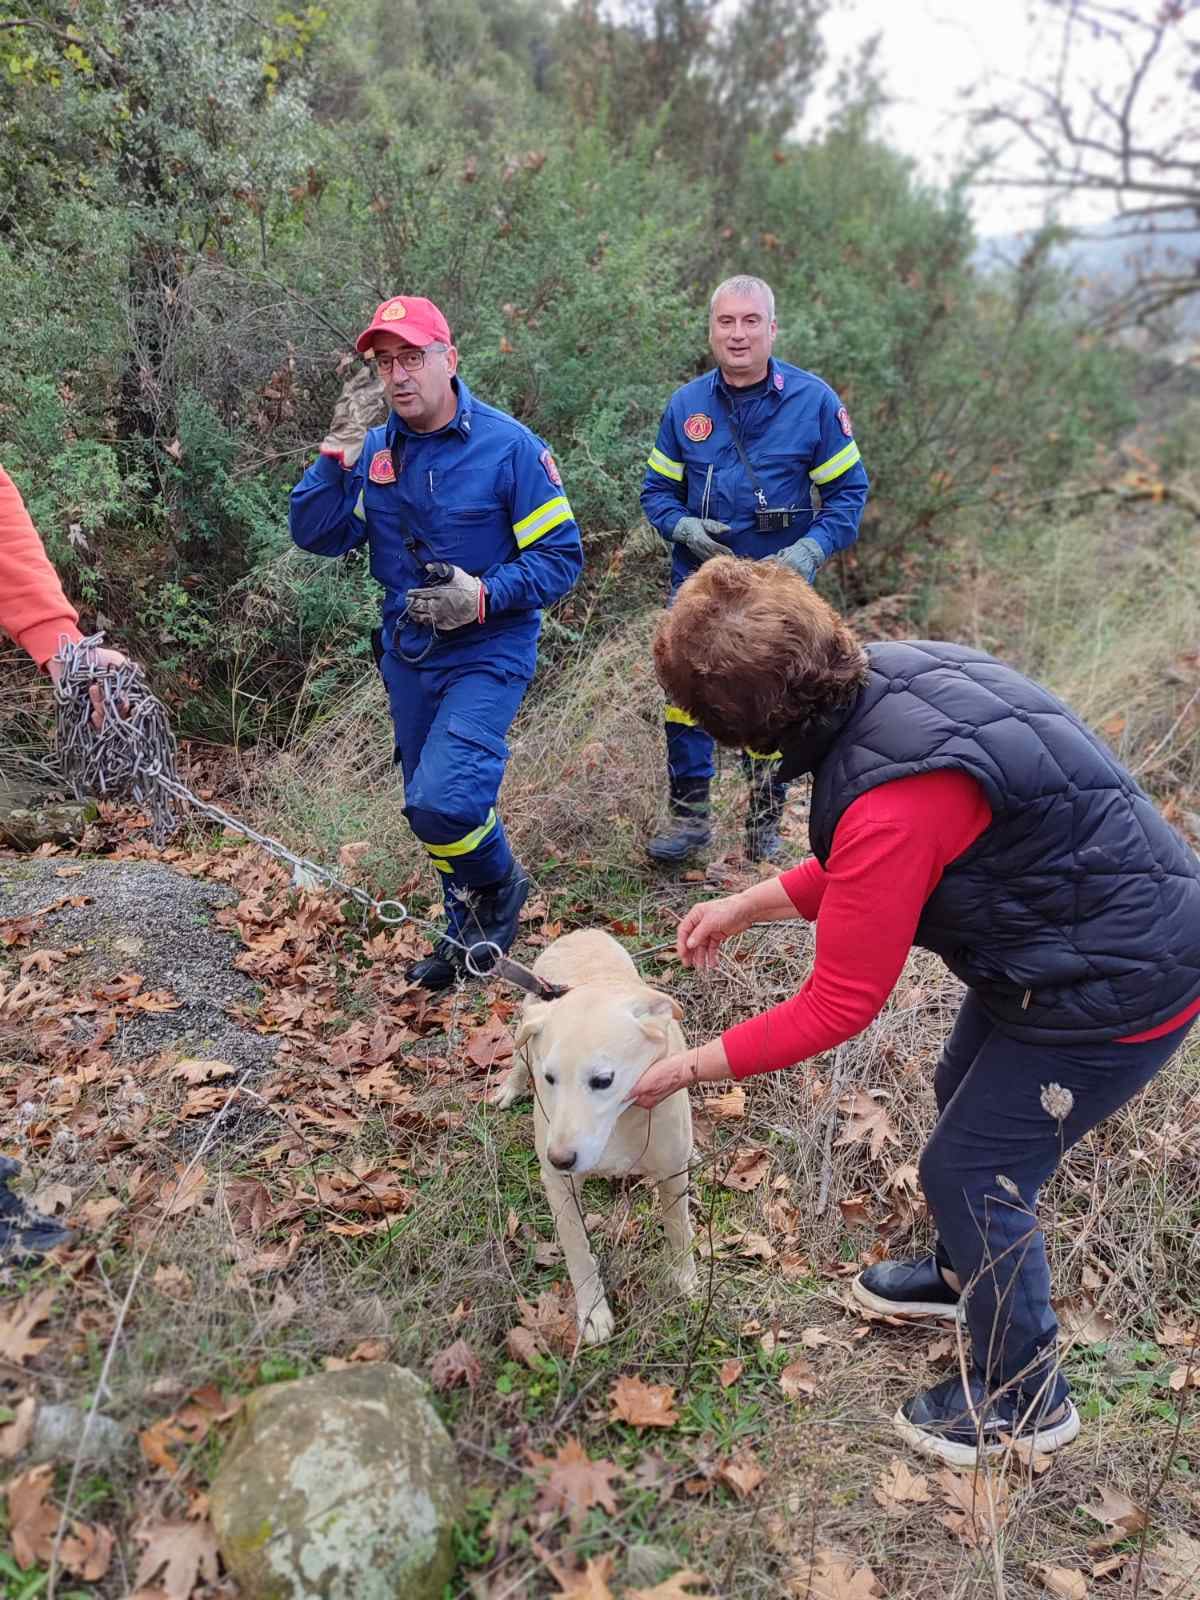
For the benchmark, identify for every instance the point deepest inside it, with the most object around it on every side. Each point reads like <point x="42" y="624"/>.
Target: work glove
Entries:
<point x="461" y="599"/>
<point x="699" y="535"/>
<point x="360" y="406"/>
<point x="805" y="557"/>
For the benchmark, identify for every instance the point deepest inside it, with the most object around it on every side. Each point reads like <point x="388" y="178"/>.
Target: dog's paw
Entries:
<point x="598" y="1325"/>
<point x="509" y="1092"/>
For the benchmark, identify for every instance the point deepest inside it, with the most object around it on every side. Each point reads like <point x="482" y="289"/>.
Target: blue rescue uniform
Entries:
<point x="484" y="494"/>
<point x="797" y="436"/>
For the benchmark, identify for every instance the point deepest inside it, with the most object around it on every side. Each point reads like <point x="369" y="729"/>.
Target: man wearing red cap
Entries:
<point x="470" y="533"/>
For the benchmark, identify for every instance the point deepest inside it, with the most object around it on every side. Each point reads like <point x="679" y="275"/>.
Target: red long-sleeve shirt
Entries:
<point x="33" y="607"/>
<point x="889" y="851"/>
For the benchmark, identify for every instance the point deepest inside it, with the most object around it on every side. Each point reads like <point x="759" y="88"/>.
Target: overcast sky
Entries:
<point x="934" y="52"/>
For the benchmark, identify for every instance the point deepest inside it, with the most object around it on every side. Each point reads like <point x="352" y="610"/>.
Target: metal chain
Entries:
<point x="133" y="755"/>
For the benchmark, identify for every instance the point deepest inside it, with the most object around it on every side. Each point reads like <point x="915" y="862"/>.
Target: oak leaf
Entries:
<point x="489" y="1045"/>
<point x="15" y="1434"/>
<point x="575" y="1483"/>
<point x="728" y="1106"/>
<point x="1063" y="1581"/>
<point x="456" y="1364"/>
<point x="642" y="1404"/>
<point x="195" y="1071"/>
<point x="33" y="1522"/>
<point x="1120" y="1515"/>
<point x="742" y="1473"/>
<point x="748" y="1170"/>
<point x="179" y="1554"/>
<point x="798" y="1380"/>
<point x="17" y="1323"/>
<point x="730" y="1372"/>
<point x="979" y="1507"/>
<point x="899" y="1487"/>
<point x="866" y="1120"/>
<point x="679" y="1586"/>
<point x="832" y="1577"/>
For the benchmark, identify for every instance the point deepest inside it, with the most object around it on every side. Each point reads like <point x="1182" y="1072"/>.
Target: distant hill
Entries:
<point x="1106" y="263"/>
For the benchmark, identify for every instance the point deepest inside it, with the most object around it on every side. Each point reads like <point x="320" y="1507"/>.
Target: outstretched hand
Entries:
<point x="706" y="927"/>
<point x="104" y="658"/>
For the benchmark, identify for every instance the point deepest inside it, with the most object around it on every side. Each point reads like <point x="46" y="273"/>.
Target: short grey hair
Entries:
<point x="743" y="284"/>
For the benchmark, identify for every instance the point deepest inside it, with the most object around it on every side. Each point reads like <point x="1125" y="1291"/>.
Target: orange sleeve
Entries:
<point x="33" y="607"/>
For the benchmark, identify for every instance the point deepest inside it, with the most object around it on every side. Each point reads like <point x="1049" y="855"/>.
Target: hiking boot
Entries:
<point x="438" y="970"/>
<point x="907" y="1289"/>
<point x="961" y="1427"/>
<point x="764" y="813"/>
<point x="493" y="918"/>
<point x="689" y="830"/>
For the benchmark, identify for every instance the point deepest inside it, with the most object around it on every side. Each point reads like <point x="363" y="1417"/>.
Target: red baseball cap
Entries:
<point x="409" y="317"/>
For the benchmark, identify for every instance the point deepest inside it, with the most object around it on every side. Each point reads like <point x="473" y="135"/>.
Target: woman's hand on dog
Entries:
<point x="705" y="928"/>
<point x="708" y="1064"/>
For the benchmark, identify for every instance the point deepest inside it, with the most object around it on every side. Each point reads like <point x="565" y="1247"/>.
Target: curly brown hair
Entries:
<point x="750" y="649"/>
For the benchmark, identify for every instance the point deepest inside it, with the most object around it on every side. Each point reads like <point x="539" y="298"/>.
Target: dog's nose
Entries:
<point x="564" y="1163"/>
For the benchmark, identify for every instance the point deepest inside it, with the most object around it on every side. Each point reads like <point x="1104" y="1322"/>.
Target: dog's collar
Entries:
<point x="514" y="972"/>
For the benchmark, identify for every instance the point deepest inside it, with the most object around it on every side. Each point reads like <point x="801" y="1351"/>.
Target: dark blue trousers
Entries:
<point x="993" y="1125"/>
<point x="450" y="727"/>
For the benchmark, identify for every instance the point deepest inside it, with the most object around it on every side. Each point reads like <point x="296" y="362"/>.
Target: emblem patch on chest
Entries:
<point x="698" y="426"/>
<point x="844" y="422"/>
<point x="381" y="469"/>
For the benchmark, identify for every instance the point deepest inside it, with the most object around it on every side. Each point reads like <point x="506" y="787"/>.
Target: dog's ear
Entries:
<point x="654" y="1011"/>
<point x="532" y="1018"/>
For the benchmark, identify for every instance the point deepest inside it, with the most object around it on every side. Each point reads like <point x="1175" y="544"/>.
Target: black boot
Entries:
<point x="493" y="917"/>
<point x="440" y="968"/>
<point x="690" y="828"/>
<point x="764" y="813"/>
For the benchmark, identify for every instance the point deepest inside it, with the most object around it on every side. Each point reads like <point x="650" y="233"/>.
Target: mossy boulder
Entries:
<point x="342" y="1486"/>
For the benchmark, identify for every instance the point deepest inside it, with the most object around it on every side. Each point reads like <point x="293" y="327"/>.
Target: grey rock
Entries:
<point x="342" y="1486"/>
<point x="57" y="1430"/>
<point x="31" y="816"/>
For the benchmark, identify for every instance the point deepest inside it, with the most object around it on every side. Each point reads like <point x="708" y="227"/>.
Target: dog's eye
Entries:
<point x="550" y="1078"/>
<point x="601" y="1081"/>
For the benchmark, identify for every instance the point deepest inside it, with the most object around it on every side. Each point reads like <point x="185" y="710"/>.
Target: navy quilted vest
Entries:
<point x="1075" y="916"/>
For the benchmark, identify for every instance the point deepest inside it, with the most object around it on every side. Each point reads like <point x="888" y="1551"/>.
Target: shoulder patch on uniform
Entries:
<point x="551" y="466"/>
<point x="698" y="426"/>
<point x="844" y="422"/>
<point x="382" y="469"/>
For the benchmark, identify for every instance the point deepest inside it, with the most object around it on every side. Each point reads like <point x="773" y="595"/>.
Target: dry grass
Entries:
<point x="1122" y="1216"/>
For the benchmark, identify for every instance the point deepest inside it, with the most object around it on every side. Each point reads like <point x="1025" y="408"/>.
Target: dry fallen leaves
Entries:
<point x="1063" y="1581"/>
<point x="33" y="1525"/>
<point x="730" y="1372"/>
<point x="742" y="1473"/>
<point x="178" y="1554"/>
<point x="830" y="1576"/>
<point x="979" y="1506"/>
<point x="642" y="1404"/>
<point x="679" y="1586"/>
<point x="748" y="1170"/>
<point x="489" y="1045"/>
<point x="866" y="1120"/>
<point x="456" y="1365"/>
<point x="1118" y="1514"/>
<point x="575" y="1483"/>
<point x="15" y="1434"/>
<point x="17" y="1324"/>
<point x="798" y="1380"/>
<point x="900" y="1488"/>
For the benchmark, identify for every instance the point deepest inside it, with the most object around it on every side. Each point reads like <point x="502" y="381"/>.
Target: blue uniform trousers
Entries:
<point x="993" y="1125"/>
<point x="450" y="725"/>
<point x="690" y="755"/>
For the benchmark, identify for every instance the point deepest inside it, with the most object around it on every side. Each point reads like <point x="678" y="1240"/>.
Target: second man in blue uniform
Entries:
<point x="470" y="534"/>
<point x="738" y="455"/>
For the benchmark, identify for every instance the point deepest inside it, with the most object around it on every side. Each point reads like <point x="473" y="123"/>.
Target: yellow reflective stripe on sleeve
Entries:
<point x="468" y="842"/>
<point x="442" y="866"/>
<point x="664" y="464"/>
<point x="541" y="521"/>
<point x="758" y="755"/>
<point x="836" y="465"/>
<point x="676" y="714"/>
<point x="360" y="510"/>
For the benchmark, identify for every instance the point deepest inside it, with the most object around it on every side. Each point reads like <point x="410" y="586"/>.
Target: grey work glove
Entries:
<point x="461" y="599"/>
<point x="699" y="535"/>
<point x="361" y="405"/>
<point x="805" y="557"/>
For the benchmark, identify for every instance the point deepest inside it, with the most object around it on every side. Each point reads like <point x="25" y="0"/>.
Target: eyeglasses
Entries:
<point x="411" y="360"/>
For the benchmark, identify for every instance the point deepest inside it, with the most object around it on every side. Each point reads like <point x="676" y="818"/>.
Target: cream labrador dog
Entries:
<point x="584" y="1053"/>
